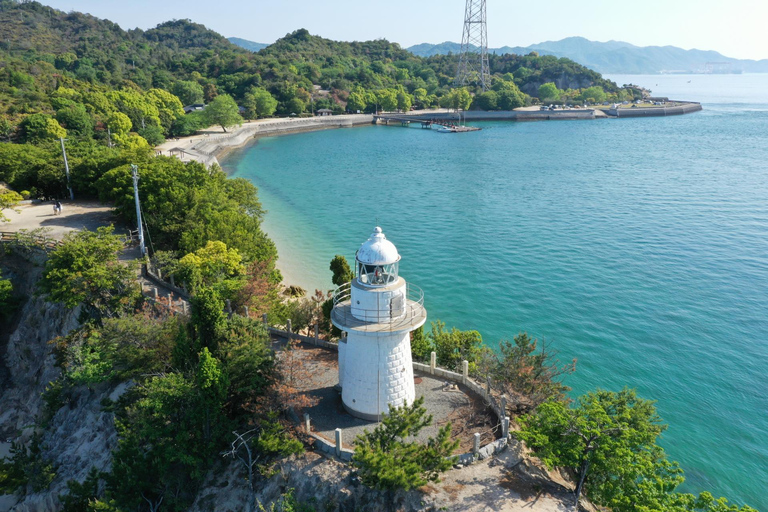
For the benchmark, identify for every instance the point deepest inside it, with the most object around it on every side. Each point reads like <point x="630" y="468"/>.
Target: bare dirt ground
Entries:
<point x="75" y="215"/>
<point x="504" y="483"/>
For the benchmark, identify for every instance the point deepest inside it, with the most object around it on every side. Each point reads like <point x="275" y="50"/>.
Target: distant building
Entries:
<point x="324" y="112"/>
<point x="193" y="108"/>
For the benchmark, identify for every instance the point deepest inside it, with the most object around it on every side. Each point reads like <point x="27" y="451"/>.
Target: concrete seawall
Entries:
<point x="212" y="143"/>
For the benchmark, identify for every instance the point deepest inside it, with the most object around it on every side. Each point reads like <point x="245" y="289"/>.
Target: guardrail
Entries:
<point x="401" y="311"/>
<point x="26" y="239"/>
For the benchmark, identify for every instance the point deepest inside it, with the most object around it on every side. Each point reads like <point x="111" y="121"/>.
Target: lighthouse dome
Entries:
<point x="377" y="250"/>
<point x="377" y="260"/>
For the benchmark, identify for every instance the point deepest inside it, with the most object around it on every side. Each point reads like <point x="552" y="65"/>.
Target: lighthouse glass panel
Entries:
<point x="377" y="275"/>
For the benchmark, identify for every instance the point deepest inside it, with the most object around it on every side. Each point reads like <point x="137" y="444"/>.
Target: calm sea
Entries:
<point x="638" y="246"/>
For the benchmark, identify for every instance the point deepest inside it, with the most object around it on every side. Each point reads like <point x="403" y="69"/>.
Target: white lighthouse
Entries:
<point x="378" y="311"/>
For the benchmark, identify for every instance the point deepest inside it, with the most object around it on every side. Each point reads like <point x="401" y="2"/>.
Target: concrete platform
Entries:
<point x="446" y="402"/>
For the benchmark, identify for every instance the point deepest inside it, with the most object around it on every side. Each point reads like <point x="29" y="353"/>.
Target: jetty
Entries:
<point x="446" y="125"/>
<point x="427" y="118"/>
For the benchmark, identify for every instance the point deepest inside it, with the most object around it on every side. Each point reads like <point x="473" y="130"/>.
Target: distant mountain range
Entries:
<point x="612" y="57"/>
<point x="248" y="45"/>
<point x="618" y="57"/>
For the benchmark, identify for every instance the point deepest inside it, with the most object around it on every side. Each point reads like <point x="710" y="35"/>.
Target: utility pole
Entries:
<point x="473" y="60"/>
<point x="66" y="168"/>
<point x="135" y="172"/>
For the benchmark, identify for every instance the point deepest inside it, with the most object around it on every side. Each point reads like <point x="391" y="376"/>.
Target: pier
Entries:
<point x="449" y="125"/>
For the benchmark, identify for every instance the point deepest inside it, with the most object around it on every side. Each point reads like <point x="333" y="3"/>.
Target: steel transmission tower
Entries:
<point x="473" y="61"/>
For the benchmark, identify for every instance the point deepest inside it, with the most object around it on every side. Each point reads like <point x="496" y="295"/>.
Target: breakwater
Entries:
<point x="678" y="109"/>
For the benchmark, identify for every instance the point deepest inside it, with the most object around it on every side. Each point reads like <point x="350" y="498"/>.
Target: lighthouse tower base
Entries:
<point x="378" y="372"/>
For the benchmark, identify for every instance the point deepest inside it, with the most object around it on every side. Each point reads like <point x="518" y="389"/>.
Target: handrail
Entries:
<point x="409" y="312"/>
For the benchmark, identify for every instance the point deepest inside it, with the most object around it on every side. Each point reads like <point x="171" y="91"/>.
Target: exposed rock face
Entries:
<point x="29" y="360"/>
<point x="80" y="435"/>
<point x="313" y="479"/>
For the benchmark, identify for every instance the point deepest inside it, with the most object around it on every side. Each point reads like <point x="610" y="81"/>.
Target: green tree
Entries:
<point x="486" y="101"/>
<point x="188" y="92"/>
<point x="457" y="99"/>
<point x="357" y="100"/>
<point x="76" y="120"/>
<point x="26" y="469"/>
<point x="404" y="101"/>
<point x="528" y="373"/>
<point x="119" y="125"/>
<point x="421" y="97"/>
<point x="258" y="102"/>
<point x="169" y="107"/>
<point x="342" y="273"/>
<point x="214" y="265"/>
<point x="247" y="358"/>
<point x="6" y="129"/>
<point x="594" y="94"/>
<point x="8" y="200"/>
<point x="223" y="111"/>
<point x="386" y="459"/>
<point x="609" y="440"/>
<point x="37" y="128"/>
<point x="86" y="269"/>
<point x="549" y="93"/>
<point x="296" y="106"/>
<point x="207" y="318"/>
<point x="420" y="345"/>
<point x="80" y="496"/>
<point x="454" y="346"/>
<point x="211" y="386"/>
<point x="160" y="455"/>
<point x="387" y="99"/>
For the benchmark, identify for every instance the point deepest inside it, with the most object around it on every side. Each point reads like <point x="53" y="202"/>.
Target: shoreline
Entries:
<point x="213" y="143"/>
<point x="214" y="146"/>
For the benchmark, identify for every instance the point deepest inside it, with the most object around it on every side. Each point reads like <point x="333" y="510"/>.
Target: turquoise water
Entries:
<point x="638" y="246"/>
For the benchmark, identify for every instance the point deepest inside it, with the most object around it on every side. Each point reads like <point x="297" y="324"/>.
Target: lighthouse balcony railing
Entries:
<point x="399" y="315"/>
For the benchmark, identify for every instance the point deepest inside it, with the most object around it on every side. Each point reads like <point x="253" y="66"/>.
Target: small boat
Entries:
<point x="447" y="129"/>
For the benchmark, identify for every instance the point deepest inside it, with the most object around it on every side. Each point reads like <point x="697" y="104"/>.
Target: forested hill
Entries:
<point x="44" y="50"/>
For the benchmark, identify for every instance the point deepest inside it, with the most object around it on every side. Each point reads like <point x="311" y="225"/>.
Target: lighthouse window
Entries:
<point x="377" y="275"/>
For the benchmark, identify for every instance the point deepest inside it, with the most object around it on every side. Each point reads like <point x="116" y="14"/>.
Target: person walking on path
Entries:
<point x="57" y="207"/>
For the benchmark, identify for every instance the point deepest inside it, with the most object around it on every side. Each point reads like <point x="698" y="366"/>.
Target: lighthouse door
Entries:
<point x="397" y="305"/>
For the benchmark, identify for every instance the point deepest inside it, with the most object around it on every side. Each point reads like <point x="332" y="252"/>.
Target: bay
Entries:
<point x="637" y="246"/>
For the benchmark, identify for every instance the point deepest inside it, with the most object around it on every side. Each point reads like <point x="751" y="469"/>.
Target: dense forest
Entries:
<point x="44" y="50"/>
<point x="208" y="383"/>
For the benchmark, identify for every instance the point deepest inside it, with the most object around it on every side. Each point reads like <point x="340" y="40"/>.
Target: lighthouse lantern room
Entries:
<point x="377" y="311"/>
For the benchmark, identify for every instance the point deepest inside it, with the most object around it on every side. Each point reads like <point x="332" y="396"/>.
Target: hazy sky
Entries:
<point x="736" y="28"/>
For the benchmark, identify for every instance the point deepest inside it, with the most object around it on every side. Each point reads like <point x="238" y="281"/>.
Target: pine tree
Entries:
<point x="387" y="461"/>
